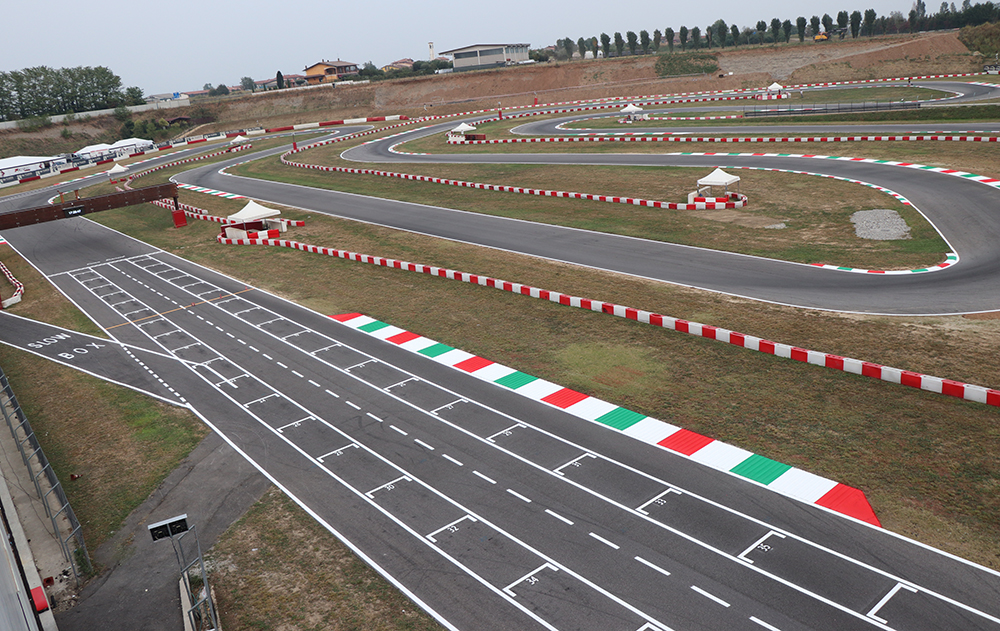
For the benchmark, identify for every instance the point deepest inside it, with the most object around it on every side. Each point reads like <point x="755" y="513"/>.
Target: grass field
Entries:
<point x="929" y="464"/>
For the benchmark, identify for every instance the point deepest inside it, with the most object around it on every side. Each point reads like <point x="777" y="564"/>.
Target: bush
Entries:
<point x="123" y="113"/>
<point x="34" y="123"/>
<point x="669" y="65"/>
<point x="984" y="38"/>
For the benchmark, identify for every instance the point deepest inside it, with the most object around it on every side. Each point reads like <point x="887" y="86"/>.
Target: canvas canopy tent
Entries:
<point x="117" y="170"/>
<point x="254" y="212"/>
<point x="775" y="87"/>
<point x="464" y="127"/>
<point x="131" y="143"/>
<point x="253" y="218"/>
<point x="719" y="177"/>
<point x="631" y="108"/>
<point x="93" y="150"/>
<point x="238" y="140"/>
<point x="25" y="164"/>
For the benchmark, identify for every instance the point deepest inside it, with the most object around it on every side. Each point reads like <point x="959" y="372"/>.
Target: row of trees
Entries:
<point x="44" y="91"/>
<point x="719" y="34"/>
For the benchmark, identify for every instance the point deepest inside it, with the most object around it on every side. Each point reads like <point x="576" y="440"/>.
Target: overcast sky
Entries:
<point x="183" y="44"/>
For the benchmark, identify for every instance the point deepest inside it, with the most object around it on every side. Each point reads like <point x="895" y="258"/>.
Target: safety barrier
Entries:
<point x="18" y="288"/>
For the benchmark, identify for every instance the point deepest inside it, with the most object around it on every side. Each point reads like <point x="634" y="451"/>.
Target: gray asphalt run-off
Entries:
<point x="880" y="224"/>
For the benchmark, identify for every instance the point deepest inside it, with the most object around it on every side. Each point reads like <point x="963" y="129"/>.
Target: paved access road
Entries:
<point x="493" y="511"/>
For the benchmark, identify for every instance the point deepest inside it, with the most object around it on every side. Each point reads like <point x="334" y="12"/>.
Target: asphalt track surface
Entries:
<point x="490" y="510"/>
<point x="963" y="211"/>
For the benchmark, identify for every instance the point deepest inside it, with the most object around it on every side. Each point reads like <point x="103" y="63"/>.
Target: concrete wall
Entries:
<point x="160" y="105"/>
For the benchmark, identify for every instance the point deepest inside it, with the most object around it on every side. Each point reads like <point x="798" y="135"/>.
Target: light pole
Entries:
<point x="200" y="610"/>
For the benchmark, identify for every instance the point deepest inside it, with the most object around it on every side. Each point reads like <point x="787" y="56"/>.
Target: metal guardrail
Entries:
<point x="827" y="108"/>
<point x="46" y="483"/>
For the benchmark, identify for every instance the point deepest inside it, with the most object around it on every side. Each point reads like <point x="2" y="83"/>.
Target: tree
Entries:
<point x="775" y="29"/>
<point x="814" y="24"/>
<point x="280" y="80"/>
<point x="842" y="19"/>
<point x="221" y="90"/>
<point x="619" y="43"/>
<point x="695" y="38"/>
<point x="708" y="36"/>
<point x="800" y="26"/>
<point x="606" y="44"/>
<point x="248" y="84"/>
<point x="786" y="27"/>
<point x="761" y="28"/>
<point x="568" y="46"/>
<point x="644" y="41"/>
<point x="208" y="86"/>
<point x="134" y="96"/>
<point x="721" y="30"/>
<point x="855" y="24"/>
<point x="581" y="45"/>
<point x="669" y="34"/>
<point x="684" y="37"/>
<point x="657" y="39"/>
<point x="827" y="22"/>
<point x="870" y="22"/>
<point x="735" y="30"/>
<point x="633" y="41"/>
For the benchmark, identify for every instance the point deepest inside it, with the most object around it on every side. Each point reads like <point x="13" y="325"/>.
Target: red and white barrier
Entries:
<point x="939" y="385"/>
<point x="18" y="288"/>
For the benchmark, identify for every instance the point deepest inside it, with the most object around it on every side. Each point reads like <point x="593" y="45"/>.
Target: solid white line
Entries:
<point x="605" y="541"/>
<point x="767" y="626"/>
<point x="490" y="480"/>
<point x="452" y="459"/>
<point x="559" y="517"/>
<point x="885" y="599"/>
<point x="651" y="566"/>
<point x="518" y="495"/>
<point x="707" y="595"/>
<point x="528" y="575"/>
<point x="753" y="545"/>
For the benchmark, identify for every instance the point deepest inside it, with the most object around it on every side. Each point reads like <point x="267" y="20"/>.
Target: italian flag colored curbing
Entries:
<point x="778" y="477"/>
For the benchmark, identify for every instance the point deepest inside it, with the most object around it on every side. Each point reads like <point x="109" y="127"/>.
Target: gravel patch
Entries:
<point x="880" y="224"/>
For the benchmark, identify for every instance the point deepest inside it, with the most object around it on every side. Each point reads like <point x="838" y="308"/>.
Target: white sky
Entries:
<point x="200" y="41"/>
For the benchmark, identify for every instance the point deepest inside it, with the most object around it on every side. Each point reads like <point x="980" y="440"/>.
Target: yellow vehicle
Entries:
<point x="822" y="37"/>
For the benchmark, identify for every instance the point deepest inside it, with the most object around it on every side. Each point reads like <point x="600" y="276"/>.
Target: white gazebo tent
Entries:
<point x="252" y="218"/>
<point x="775" y="87"/>
<point x="458" y="134"/>
<point x="632" y="112"/>
<point x="238" y="140"/>
<point x="718" y="177"/>
<point x="117" y="173"/>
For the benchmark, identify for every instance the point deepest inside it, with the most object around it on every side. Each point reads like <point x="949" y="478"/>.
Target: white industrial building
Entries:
<point x="479" y="56"/>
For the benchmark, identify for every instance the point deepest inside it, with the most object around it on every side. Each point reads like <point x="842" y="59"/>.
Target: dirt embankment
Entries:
<point x="751" y="67"/>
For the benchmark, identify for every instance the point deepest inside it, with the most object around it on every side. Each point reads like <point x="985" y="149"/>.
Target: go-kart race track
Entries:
<point x="493" y="510"/>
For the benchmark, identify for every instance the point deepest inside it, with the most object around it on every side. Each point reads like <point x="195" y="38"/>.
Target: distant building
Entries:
<point x="327" y="71"/>
<point x="399" y="64"/>
<point x="479" y="56"/>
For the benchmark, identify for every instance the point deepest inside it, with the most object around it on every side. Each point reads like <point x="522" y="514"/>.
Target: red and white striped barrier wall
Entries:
<point x="665" y="137"/>
<point x="776" y="476"/>
<point x="739" y="202"/>
<point x="948" y="387"/>
<point x="18" y="288"/>
<point x="771" y="97"/>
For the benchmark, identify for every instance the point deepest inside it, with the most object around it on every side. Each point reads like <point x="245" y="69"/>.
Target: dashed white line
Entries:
<point x="605" y="541"/>
<point x="356" y="407"/>
<point x="559" y="517"/>
<point x="266" y="356"/>
<point x="423" y="444"/>
<point x="374" y="417"/>
<point x="651" y="566"/>
<point x="447" y="457"/>
<point x="314" y="383"/>
<point x="332" y="394"/>
<point x="709" y="596"/>
<point x="398" y="430"/>
<point x="518" y="495"/>
<point x="298" y="374"/>
<point x="282" y="365"/>
<point x="767" y="626"/>
<point x="485" y="477"/>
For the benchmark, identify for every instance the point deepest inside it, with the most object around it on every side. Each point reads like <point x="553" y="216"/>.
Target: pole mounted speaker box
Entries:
<point x="168" y="527"/>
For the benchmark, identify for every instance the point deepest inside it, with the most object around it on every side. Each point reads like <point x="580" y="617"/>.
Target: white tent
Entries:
<point x="631" y="108"/>
<point x="718" y="177"/>
<point x="26" y="164"/>
<point x="90" y="150"/>
<point x="117" y="170"/>
<point x="132" y="142"/>
<point x="464" y="127"/>
<point x="775" y="87"/>
<point x="253" y="212"/>
<point x="238" y="140"/>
